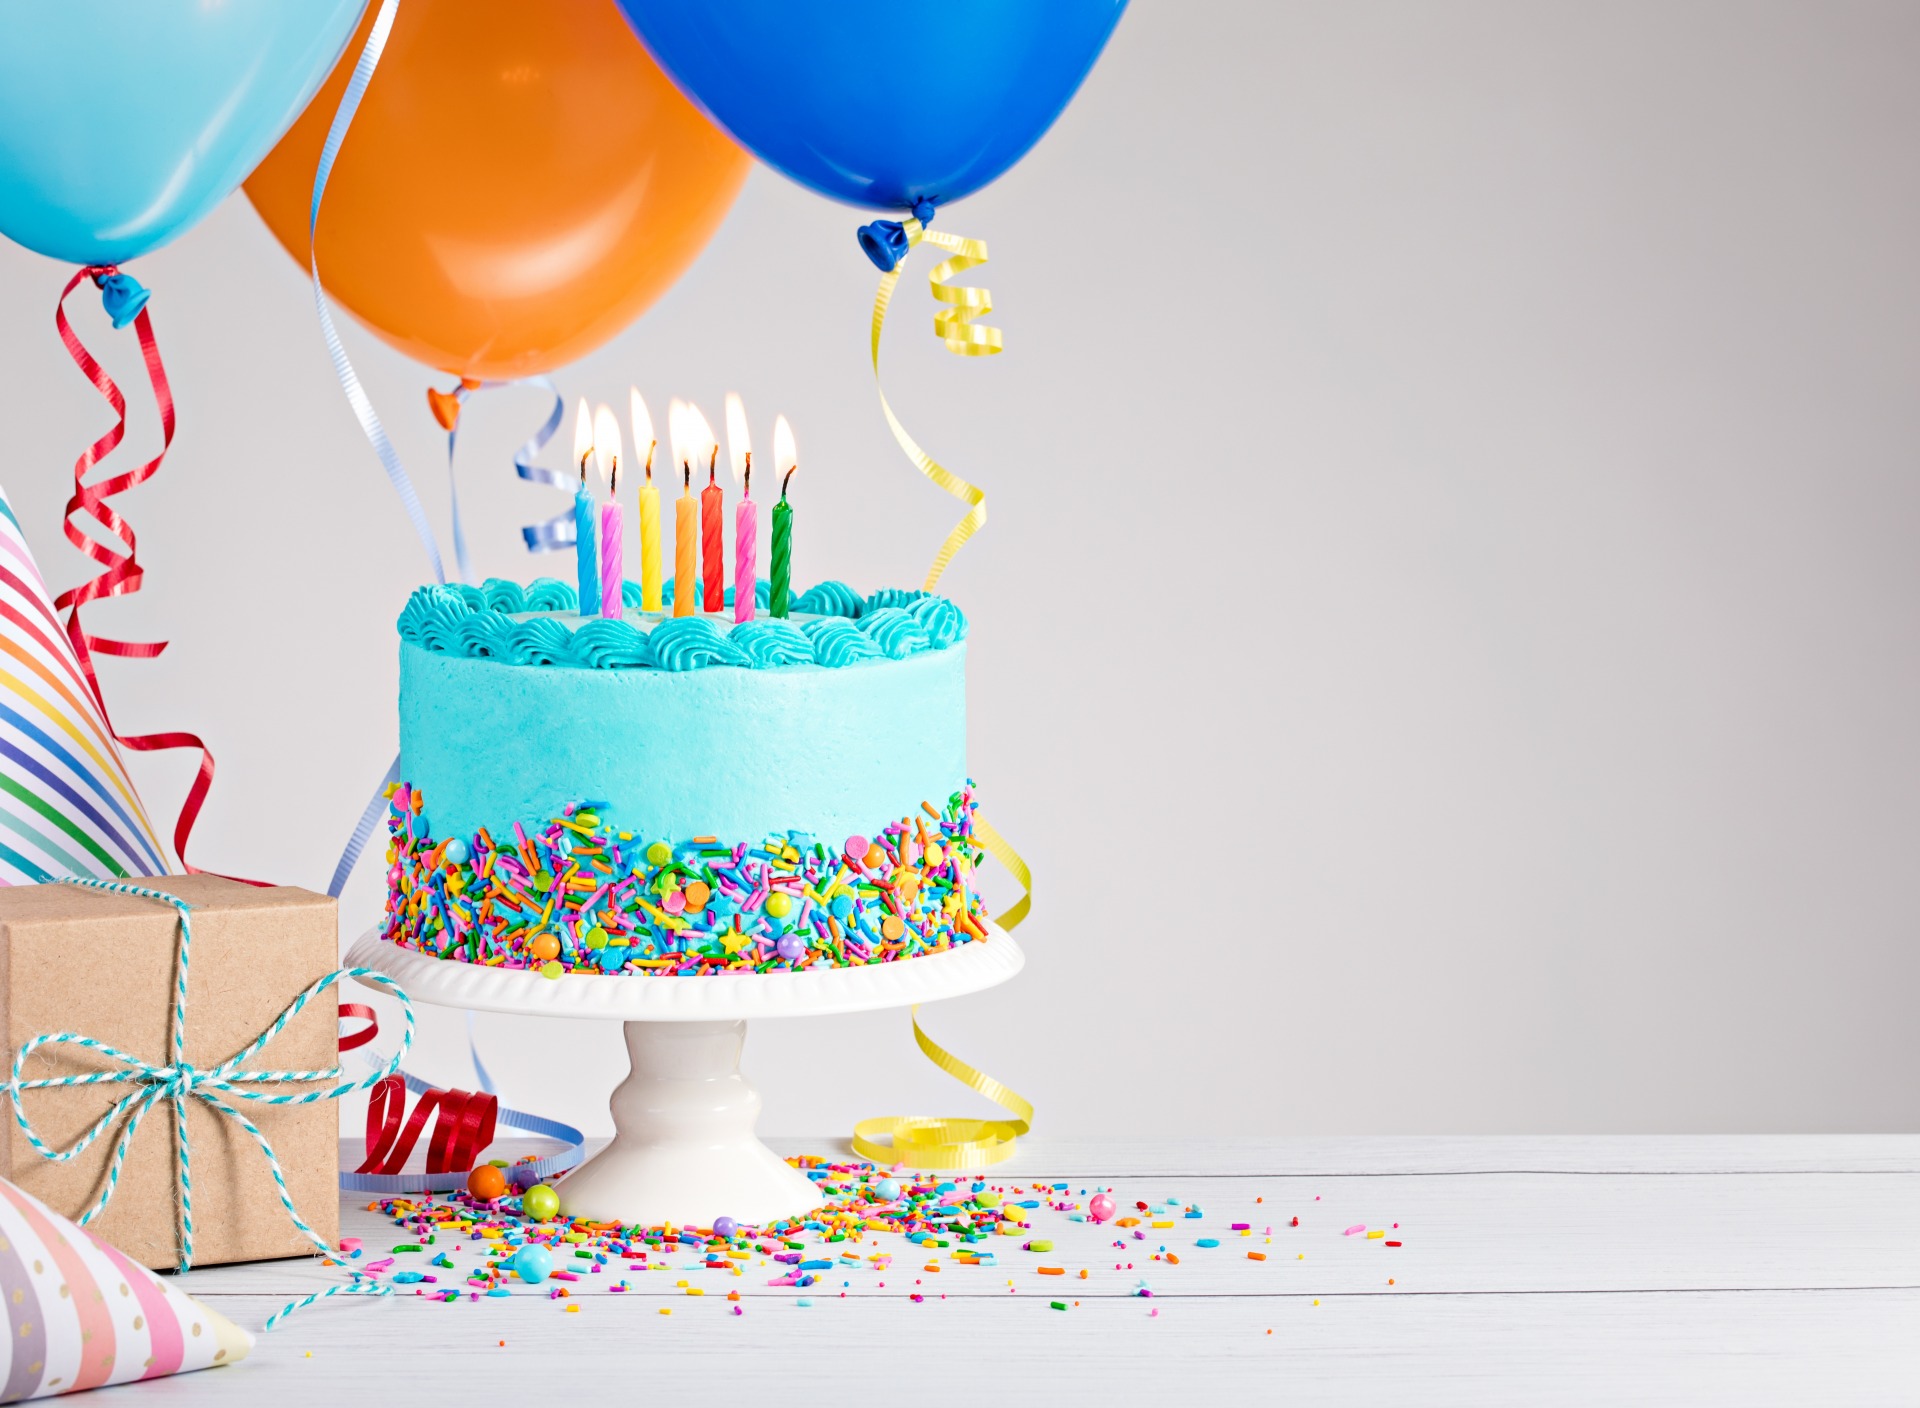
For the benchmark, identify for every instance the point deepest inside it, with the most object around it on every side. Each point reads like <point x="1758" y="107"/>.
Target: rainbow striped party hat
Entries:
<point x="67" y="804"/>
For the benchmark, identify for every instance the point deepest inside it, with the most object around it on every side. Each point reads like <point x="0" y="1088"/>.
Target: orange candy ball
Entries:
<point x="487" y="1181"/>
<point x="876" y="857"/>
<point x="544" y="947"/>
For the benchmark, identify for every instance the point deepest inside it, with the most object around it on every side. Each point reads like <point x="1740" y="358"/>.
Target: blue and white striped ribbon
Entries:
<point x="178" y="1081"/>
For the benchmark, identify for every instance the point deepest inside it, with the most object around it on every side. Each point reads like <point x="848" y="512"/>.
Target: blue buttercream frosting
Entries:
<point x="513" y="707"/>
<point x="768" y="643"/>
<point x="692" y="752"/>
<point x="533" y="625"/>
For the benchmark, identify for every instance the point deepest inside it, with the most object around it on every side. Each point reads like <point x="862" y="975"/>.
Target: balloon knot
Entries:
<point x="886" y="242"/>
<point x="445" y="406"/>
<point x="122" y="295"/>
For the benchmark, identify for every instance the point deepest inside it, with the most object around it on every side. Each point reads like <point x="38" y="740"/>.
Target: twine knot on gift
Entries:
<point x="180" y="1080"/>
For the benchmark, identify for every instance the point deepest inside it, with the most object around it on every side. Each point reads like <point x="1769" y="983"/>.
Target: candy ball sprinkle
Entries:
<point x="487" y="1182"/>
<point x="540" y="1202"/>
<point x="533" y="1263"/>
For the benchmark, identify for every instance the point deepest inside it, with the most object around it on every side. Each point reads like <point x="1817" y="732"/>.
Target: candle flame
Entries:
<point x="739" y="445"/>
<point x="700" y="444"/>
<point x="642" y="423"/>
<point x="786" y="456"/>
<point x="606" y="442"/>
<point x="677" y="431"/>
<point x="582" y="438"/>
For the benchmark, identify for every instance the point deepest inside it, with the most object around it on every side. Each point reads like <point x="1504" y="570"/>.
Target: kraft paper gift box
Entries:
<point x="103" y="965"/>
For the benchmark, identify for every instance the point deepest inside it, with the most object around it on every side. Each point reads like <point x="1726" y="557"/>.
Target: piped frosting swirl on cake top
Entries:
<point x="833" y="626"/>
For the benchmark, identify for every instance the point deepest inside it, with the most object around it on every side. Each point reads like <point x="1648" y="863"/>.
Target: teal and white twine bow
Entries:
<point x="178" y="1081"/>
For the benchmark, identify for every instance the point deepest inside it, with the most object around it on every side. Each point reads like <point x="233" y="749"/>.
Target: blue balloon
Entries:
<point x="123" y="122"/>
<point x="880" y="106"/>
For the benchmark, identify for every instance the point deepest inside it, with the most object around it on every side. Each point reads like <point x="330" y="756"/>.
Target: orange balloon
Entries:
<point x="520" y="183"/>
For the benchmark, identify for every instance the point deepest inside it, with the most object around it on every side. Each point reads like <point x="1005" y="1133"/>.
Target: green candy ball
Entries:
<point x="540" y="1203"/>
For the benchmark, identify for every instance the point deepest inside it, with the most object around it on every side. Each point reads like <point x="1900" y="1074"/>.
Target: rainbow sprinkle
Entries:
<point x="578" y="896"/>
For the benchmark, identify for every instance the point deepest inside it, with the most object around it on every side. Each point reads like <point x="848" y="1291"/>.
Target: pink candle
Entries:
<point x="746" y="533"/>
<point x="612" y="561"/>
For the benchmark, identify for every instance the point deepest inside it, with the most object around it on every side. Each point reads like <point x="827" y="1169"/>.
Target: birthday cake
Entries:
<point x="652" y="794"/>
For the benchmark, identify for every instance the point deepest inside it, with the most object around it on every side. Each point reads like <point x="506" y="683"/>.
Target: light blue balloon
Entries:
<point x="123" y="122"/>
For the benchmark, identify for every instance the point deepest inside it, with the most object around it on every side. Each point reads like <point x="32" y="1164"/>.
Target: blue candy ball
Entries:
<point x="457" y="852"/>
<point x="887" y="1189"/>
<point x="533" y="1263"/>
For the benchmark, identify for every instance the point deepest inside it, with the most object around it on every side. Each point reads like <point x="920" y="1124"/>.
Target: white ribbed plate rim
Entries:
<point x="724" y="997"/>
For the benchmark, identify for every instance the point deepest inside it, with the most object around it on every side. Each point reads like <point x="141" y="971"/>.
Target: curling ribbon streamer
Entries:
<point x="465" y="1127"/>
<point x="397" y="475"/>
<point x="123" y="574"/>
<point x="921" y="1141"/>
<point x="342" y="365"/>
<point x="558" y="531"/>
<point x="954" y="325"/>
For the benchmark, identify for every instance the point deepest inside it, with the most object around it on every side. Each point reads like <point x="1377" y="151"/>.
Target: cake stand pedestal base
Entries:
<point x="684" y="1149"/>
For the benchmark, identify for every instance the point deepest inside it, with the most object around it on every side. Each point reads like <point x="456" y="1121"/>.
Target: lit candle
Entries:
<point x="713" y="569"/>
<point x="606" y="454"/>
<point x="649" y="505"/>
<point x="785" y="460"/>
<point x="686" y="531"/>
<point x="586" y="554"/>
<point x="746" y="524"/>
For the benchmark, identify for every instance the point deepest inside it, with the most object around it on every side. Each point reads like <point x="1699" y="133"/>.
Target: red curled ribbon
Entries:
<point x="360" y="1010"/>
<point x="464" y="1129"/>
<point x="123" y="575"/>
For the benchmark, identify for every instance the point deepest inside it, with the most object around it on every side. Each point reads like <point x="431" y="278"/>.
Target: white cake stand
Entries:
<point x="684" y="1148"/>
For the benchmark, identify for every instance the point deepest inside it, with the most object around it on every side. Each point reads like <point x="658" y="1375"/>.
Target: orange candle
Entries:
<point x="686" y="529"/>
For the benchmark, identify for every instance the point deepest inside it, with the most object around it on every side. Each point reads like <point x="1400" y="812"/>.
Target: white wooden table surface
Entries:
<point x="1751" y="1270"/>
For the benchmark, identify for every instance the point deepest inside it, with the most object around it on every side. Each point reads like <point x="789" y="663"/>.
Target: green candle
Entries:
<point x="784" y="463"/>
<point x="782" y="556"/>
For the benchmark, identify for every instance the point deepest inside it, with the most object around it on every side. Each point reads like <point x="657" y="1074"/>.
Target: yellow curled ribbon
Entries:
<point x="923" y="1141"/>
<point x="954" y="324"/>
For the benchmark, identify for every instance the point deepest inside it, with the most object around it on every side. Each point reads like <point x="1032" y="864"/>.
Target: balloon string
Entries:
<point x="122" y="575"/>
<point x="556" y="532"/>
<point x="356" y="394"/>
<point x="923" y="1141"/>
<point x="955" y="326"/>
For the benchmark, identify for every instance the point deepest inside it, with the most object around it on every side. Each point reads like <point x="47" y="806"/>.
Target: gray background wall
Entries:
<point x="1453" y="522"/>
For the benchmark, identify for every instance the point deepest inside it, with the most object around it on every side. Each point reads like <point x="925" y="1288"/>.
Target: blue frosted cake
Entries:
<point x="668" y="796"/>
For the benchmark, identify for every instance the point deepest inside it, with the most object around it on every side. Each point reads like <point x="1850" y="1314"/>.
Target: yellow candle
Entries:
<point x="649" y="546"/>
<point x="649" y="505"/>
